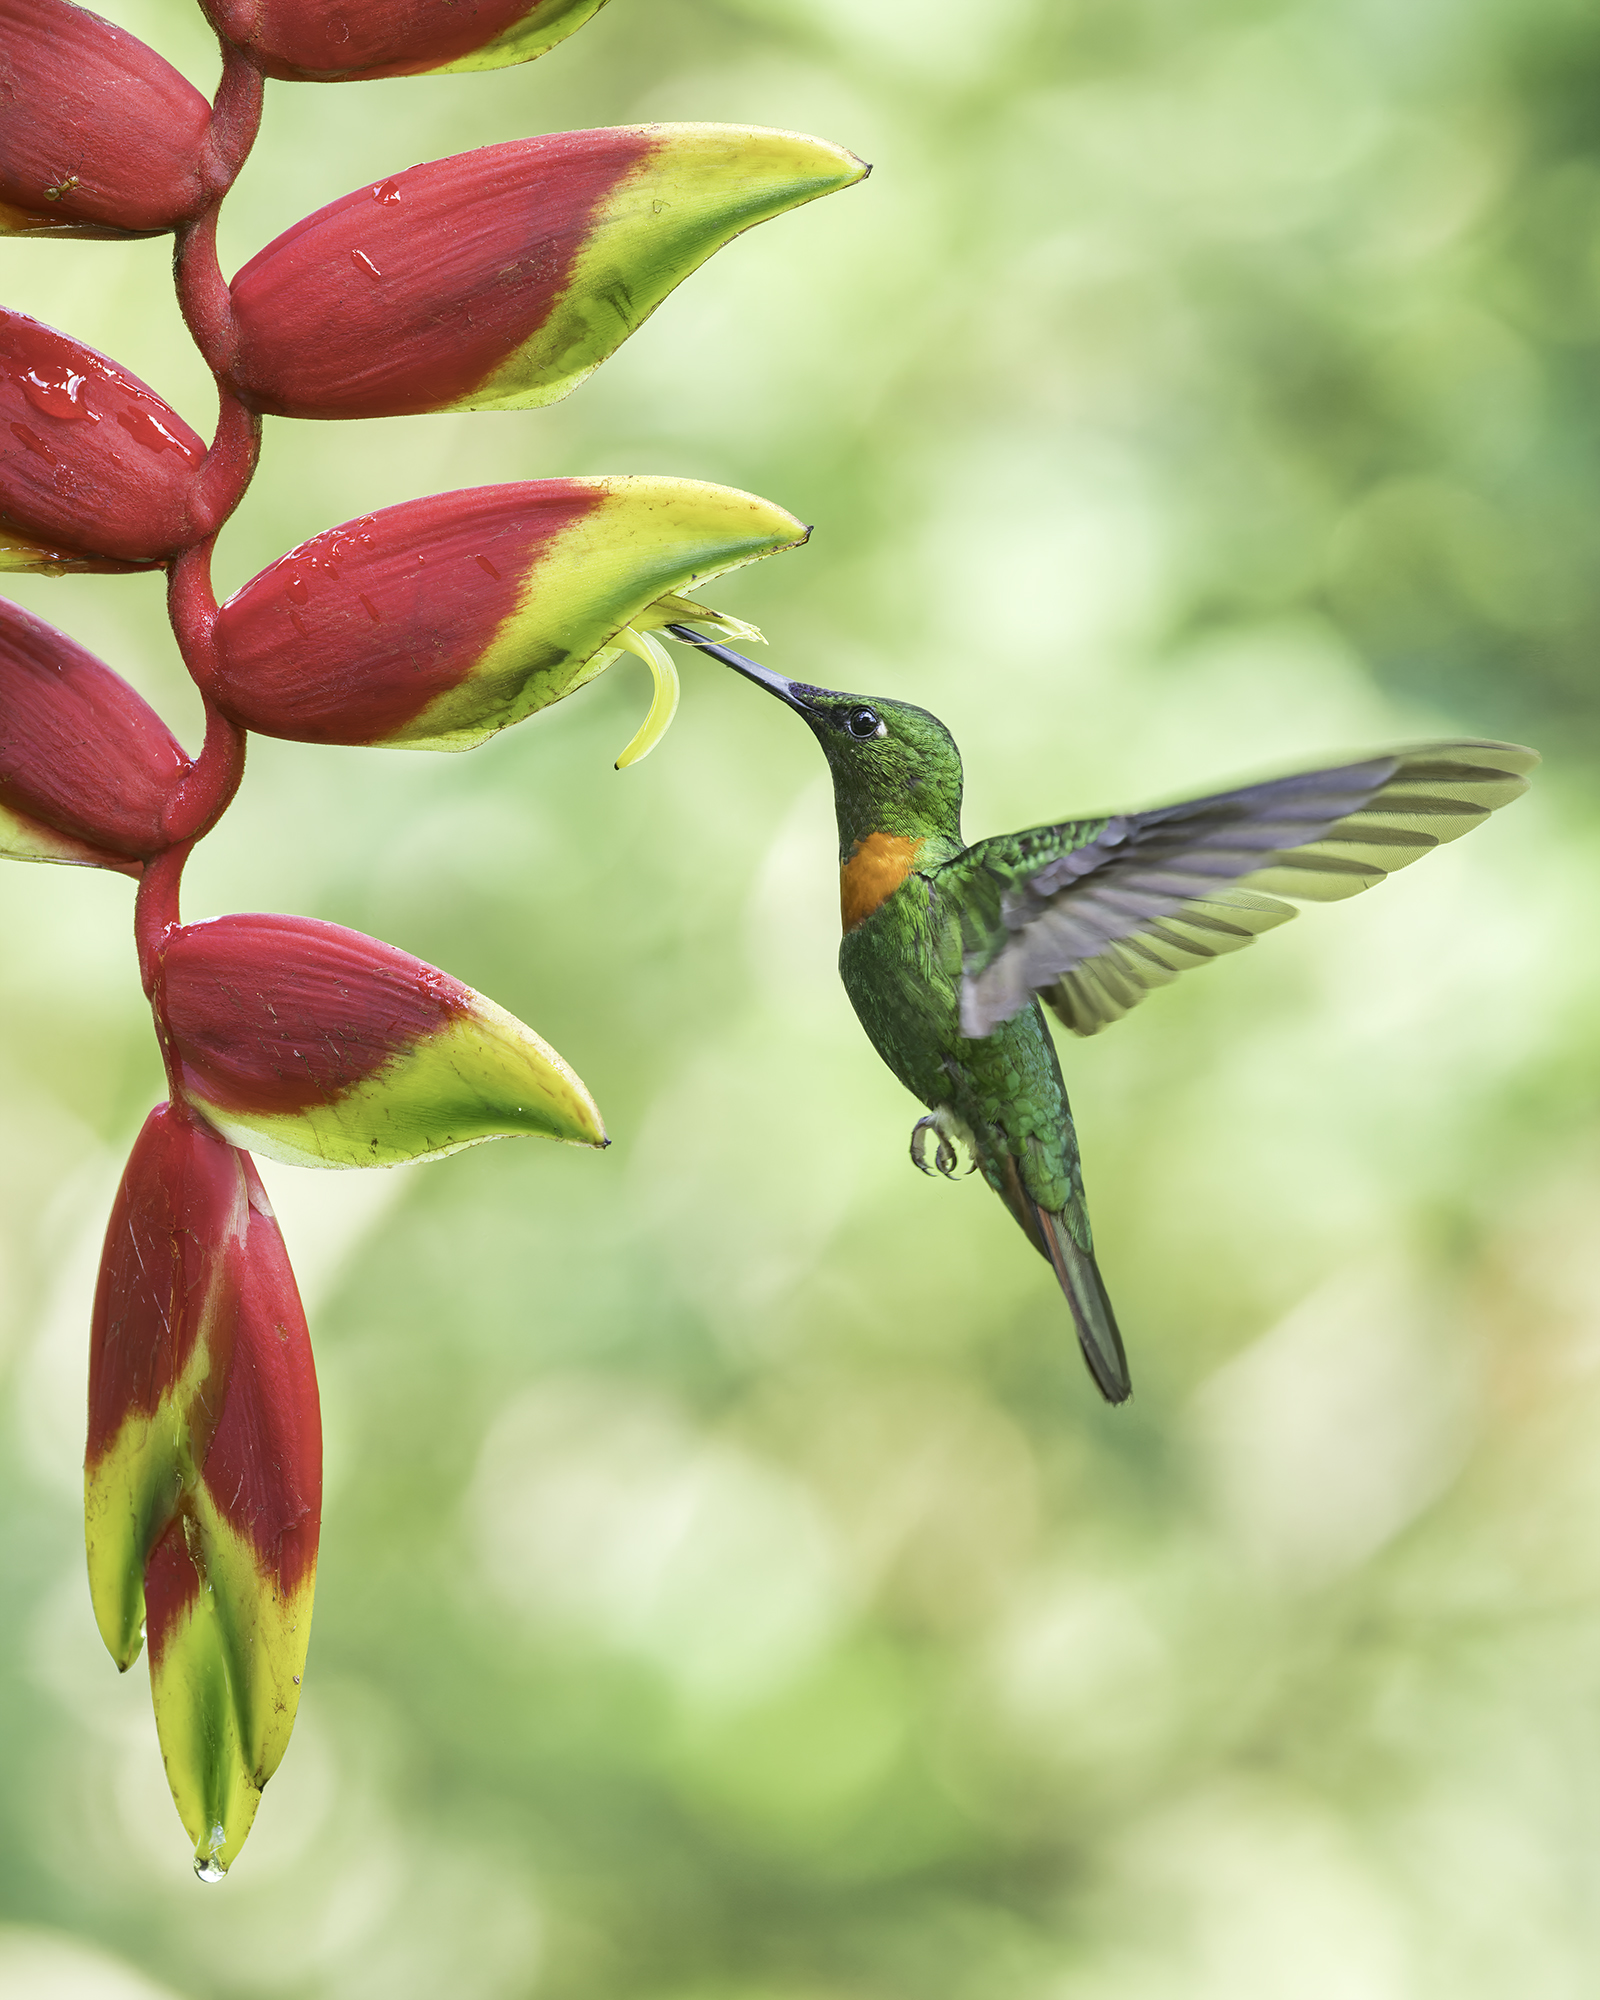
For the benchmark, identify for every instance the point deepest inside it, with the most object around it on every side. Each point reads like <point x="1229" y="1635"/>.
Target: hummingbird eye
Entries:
<point x="864" y="722"/>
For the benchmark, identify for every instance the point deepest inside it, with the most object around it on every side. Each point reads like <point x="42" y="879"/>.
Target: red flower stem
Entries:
<point x="235" y="118"/>
<point x="203" y="295"/>
<point x="155" y="915"/>
<point x="207" y="787"/>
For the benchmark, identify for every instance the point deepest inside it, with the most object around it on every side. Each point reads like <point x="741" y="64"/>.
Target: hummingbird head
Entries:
<point x="896" y="768"/>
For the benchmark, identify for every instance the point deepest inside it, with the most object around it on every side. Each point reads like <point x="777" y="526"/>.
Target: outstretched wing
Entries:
<point x="1092" y="914"/>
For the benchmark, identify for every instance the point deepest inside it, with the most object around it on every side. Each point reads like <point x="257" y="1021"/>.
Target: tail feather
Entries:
<point x="1078" y="1276"/>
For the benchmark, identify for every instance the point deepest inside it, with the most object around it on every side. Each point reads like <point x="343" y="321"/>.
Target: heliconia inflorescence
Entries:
<point x="496" y="279"/>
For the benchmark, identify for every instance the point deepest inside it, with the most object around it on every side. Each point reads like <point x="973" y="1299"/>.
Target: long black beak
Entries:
<point x="792" y="692"/>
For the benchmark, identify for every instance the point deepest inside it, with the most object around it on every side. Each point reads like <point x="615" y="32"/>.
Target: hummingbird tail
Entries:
<point x="1079" y="1278"/>
<point x="1076" y="1272"/>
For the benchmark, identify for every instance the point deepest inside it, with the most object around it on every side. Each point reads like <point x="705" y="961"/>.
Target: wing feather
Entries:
<point x="1094" y="914"/>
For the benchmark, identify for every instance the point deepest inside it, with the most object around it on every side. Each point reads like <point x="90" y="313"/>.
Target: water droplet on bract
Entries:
<point x="364" y="263"/>
<point x="207" y="1866"/>
<point x="56" y="388"/>
<point x="154" y="435"/>
<point x="387" y="191"/>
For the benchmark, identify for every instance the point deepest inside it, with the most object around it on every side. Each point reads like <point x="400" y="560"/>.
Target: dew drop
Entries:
<point x="387" y="191"/>
<point x="207" y="1866"/>
<point x="377" y="618"/>
<point x="57" y="390"/>
<point x="153" y="435"/>
<point x="487" y="567"/>
<point x="364" y="263"/>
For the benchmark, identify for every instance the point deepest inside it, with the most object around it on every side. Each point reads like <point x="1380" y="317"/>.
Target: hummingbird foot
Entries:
<point x="946" y="1128"/>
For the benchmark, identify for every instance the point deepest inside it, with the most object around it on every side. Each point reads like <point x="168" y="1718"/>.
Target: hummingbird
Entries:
<point x="949" y="950"/>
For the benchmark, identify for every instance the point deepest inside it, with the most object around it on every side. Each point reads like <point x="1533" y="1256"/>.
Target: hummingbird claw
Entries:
<point x="946" y="1128"/>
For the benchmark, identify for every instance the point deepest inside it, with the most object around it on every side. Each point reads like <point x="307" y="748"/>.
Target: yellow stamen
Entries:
<point x="676" y="610"/>
<point x="665" y="705"/>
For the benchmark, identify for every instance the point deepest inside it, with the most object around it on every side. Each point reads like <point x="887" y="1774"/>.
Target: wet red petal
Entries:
<point x="90" y="458"/>
<point x="354" y="633"/>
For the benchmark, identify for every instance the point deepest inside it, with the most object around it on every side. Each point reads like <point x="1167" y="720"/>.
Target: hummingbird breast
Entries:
<point x="901" y="967"/>
<point x="875" y="867"/>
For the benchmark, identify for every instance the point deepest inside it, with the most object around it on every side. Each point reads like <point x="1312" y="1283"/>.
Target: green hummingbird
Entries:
<point x="949" y="949"/>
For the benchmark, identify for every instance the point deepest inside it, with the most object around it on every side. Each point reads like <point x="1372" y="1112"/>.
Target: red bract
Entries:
<point x="355" y="633"/>
<point x="501" y="278"/>
<point x="370" y="38"/>
<point x="203" y="1472"/>
<point x="275" y="1013"/>
<point x="435" y="623"/>
<point x="322" y="1047"/>
<point x="86" y="766"/>
<point x="95" y="470"/>
<point x="163" y="1314"/>
<point x="100" y="136"/>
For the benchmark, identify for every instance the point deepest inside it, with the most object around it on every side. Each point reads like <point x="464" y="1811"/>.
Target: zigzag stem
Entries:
<point x="212" y="778"/>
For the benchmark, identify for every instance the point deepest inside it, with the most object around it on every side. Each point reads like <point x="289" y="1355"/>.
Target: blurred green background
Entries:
<point x="732" y="1587"/>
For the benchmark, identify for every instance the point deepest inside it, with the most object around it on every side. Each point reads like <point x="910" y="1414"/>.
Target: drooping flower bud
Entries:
<point x="96" y="472"/>
<point x="500" y="278"/>
<point x="101" y="136"/>
<point x="203" y="1474"/>
<point x="315" y="1045"/>
<point x="436" y="623"/>
<point x="86" y="765"/>
<point x="357" y="39"/>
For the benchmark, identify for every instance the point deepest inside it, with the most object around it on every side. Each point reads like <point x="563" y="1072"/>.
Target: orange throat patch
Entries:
<point x="876" y="868"/>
